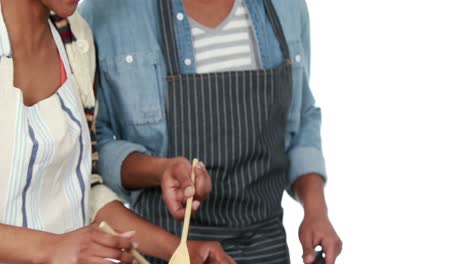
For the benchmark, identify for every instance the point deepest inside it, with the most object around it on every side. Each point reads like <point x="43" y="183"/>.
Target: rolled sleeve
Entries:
<point x="100" y="196"/>
<point x="305" y="153"/>
<point x="306" y="160"/>
<point x="111" y="158"/>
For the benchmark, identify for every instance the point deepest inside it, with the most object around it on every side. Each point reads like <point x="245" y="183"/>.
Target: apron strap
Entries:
<point x="169" y="44"/>
<point x="277" y="28"/>
<point x="169" y="41"/>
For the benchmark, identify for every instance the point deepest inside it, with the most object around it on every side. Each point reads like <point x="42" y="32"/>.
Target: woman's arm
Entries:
<point x="21" y="245"/>
<point x="153" y="240"/>
<point x="86" y="245"/>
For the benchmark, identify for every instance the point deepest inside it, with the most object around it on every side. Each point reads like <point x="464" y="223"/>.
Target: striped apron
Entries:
<point x="45" y="153"/>
<point x="234" y="122"/>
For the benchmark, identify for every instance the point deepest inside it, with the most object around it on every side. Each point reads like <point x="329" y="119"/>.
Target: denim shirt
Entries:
<point x="132" y="80"/>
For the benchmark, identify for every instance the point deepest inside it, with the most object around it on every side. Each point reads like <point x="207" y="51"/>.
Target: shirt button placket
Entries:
<point x="180" y="16"/>
<point x="298" y="58"/>
<point x="129" y="59"/>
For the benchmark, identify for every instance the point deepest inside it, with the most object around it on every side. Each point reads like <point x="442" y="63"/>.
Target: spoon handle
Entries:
<point x="188" y="208"/>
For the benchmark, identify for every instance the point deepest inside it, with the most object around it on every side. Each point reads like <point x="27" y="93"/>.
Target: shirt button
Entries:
<point x="83" y="46"/>
<point x="129" y="59"/>
<point x="298" y="58"/>
<point x="180" y="16"/>
<point x="188" y="62"/>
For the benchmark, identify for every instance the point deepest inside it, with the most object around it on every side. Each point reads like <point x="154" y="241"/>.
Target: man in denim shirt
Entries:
<point x="256" y="128"/>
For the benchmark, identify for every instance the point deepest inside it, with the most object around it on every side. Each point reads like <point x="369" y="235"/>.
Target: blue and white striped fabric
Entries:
<point x="45" y="153"/>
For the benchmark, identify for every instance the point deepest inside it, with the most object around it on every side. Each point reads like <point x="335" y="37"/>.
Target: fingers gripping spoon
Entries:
<point x="181" y="255"/>
<point x="108" y="229"/>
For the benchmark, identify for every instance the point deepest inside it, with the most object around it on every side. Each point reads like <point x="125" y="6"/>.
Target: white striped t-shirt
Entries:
<point x="230" y="46"/>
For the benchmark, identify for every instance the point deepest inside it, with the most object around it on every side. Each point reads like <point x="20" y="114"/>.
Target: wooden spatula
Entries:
<point x="181" y="255"/>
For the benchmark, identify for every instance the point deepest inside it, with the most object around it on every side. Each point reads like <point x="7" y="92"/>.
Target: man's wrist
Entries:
<point x="158" y="167"/>
<point x="168" y="244"/>
<point x="316" y="213"/>
<point x="309" y="190"/>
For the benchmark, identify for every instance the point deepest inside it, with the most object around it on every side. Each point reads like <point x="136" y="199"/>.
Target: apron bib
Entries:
<point x="235" y="122"/>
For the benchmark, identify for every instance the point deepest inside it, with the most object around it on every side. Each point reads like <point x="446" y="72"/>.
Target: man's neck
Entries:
<point x="208" y="12"/>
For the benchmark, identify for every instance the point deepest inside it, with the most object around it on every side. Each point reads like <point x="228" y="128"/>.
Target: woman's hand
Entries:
<point x="208" y="252"/>
<point x="177" y="185"/>
<point x="90" y="245"/>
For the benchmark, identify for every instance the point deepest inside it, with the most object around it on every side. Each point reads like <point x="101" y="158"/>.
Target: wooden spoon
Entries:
<point x="181" y="255"/>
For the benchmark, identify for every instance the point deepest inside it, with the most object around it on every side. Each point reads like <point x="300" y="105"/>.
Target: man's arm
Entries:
<point x="309" y="191"/>
<point x="142" y="171"/>
<point x="305" y="153"/>
<point x="308" y="173"/>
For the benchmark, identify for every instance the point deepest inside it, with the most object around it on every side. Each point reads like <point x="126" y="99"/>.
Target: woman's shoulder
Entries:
<point x="82" y="57"/>
<point x="79" y="27"/>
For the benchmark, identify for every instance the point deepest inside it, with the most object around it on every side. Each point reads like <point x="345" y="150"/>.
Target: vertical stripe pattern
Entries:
<point x="46" y="171"/>
<point x="235" y="123"/>
<point x="168" y="30"/>
<point x="32" y="160"/>
<point x="78" y="169"/>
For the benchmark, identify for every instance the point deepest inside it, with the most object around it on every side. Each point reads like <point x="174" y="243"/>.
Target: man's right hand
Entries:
<point x="177" y="185"/>
<point x="90" y="245"/>
<point x="208" y="252"/>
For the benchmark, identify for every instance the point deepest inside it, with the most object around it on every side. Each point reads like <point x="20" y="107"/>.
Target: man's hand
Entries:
<point x="177" y="185"/>
<point x="319" y="231"/>
<point x="208" y="252"/>
<point x="316" y="228"/>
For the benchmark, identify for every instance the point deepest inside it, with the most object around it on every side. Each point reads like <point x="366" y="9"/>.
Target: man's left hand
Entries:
<point x="315" y="231"/>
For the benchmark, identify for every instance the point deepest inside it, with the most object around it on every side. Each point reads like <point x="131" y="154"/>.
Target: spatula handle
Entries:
<point x="188" y="207"/>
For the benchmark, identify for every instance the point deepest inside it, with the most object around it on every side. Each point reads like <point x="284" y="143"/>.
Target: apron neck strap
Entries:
<point x="277" y="28"/>
<point x="168" y="37"/>
<point x="169" y="41"/>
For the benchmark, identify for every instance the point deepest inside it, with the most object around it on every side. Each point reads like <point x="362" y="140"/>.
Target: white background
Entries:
<point x="392" y="80"/>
